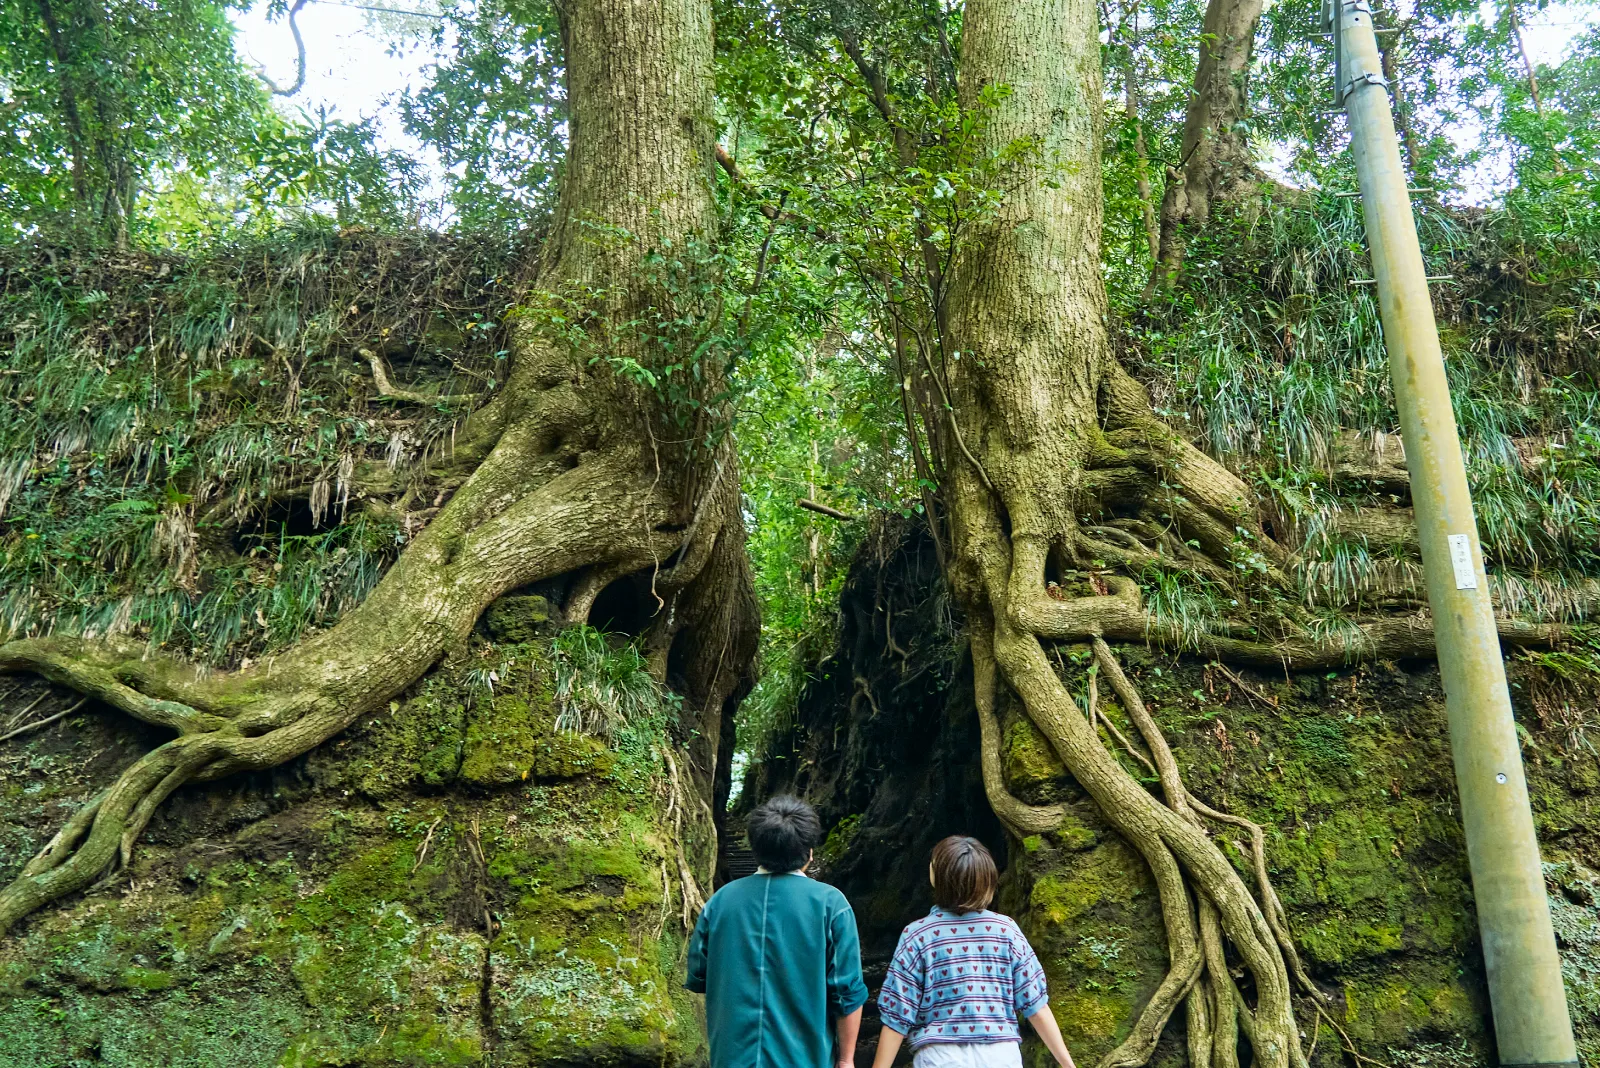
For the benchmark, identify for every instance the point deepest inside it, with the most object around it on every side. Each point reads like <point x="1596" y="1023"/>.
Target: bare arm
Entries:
<point x="847" y="1028"/>
<point x="888" y="1045"/>
<point x="1044" y="1022"/>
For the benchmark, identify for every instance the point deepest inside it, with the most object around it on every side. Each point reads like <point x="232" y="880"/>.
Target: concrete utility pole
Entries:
<point x="1532" y="1027"/>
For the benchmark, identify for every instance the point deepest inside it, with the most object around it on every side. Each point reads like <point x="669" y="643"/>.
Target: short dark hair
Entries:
<point x="964" y="875"/>
<point x="783" y="832"/>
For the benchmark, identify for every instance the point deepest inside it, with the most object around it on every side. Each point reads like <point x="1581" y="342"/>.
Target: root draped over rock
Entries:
<point x="1064" y="478"/>
<point x="569" y="481"/>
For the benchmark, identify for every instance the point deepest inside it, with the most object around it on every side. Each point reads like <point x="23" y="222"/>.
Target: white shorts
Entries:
<point x="969" y="1055"/>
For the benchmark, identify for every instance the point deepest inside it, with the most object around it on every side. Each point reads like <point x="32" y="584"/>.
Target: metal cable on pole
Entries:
<point x="1532" y="1026"/>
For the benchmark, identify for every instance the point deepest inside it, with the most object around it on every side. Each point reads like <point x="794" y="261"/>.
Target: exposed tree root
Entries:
<point x="565" y="479"/>
<point x="1120" y="616"/>
<point x="1167" y="505"/>
<point x="380" y="378"/>
<point x="692" y="898"/>
<point x="1006" y="542"/>
<point x="1022" y="819"/>
<point x="273" y="712"/>
<point x="1060" y="474"/>
<point x="1204" y="902"/>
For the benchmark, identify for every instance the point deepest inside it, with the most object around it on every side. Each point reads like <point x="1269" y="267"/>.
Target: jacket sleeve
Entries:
<point x="847" y="991"/>
<point x="900" y="999"/>
<point x="698" y="952"/>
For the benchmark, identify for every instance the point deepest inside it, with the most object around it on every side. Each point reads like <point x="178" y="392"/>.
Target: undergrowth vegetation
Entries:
<point x="604" y="687"/>
<point x="1271" y="357"/>
<point x="195" y="451"/>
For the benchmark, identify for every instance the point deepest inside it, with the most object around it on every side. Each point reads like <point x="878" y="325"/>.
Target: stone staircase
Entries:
<point x="740" y="860"/>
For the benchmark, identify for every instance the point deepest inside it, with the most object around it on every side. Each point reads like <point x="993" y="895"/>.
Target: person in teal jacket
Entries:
<point x="777" y="955"/>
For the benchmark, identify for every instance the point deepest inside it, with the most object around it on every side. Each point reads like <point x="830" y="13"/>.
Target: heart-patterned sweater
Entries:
<point x="961" y="977"/>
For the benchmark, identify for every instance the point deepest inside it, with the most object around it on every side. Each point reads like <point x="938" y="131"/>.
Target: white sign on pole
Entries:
<point x="1461" y="560"/>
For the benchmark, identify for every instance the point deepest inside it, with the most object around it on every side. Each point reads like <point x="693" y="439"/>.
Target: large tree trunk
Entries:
<point x="1058" y="475"/>
<point x="1039" y="401"/>
<point x="1216" y="164"/>
<point x="579" y="475"/>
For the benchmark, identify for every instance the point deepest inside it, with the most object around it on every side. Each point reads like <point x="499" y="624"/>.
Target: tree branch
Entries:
<point x="300" y="57"/>
<point x="821" y="509"/>
<point x="380" y="377"/>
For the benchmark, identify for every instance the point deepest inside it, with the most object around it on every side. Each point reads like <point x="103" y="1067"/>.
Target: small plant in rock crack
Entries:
<point x="1435" y="1055"/>
<point x="602" y="688"/>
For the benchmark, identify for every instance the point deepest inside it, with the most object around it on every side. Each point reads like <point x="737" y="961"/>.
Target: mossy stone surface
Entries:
<point x="518" y="619"/>
<point x="451" y="882"/>
<point x="1350" y="773"/>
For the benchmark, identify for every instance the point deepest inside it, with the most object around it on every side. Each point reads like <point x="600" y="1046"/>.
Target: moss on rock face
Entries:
<point x="451" y="883"/>
<point x="517" y="738"/>
<point x="1350" y="772"/>
<point x="1091" y="911"/>
<point x="517" y="619"/>
<point x="1575" y="911"/>
<point x="1026" y="758"/>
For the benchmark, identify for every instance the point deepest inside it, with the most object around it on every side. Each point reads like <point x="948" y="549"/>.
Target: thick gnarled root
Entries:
<point x="102" y="833"/>
<point x="600" y="521"/>
<point x="1223" y="1002"/>
<point x="1206" y="906"/>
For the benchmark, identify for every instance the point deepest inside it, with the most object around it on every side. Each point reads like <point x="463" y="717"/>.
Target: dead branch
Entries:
<point x="380" y="377"/>
<point x="36" y="724"/>
<point x="821" y="509"/>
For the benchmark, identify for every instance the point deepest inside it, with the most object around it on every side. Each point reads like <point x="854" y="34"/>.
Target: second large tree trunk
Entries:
<point x="1216" y="163"/>
<point x="1038" y="403"/>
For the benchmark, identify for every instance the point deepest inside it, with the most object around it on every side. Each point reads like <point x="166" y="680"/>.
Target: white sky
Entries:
<point x="350" y="69"/>
<point x="356" y="65"/>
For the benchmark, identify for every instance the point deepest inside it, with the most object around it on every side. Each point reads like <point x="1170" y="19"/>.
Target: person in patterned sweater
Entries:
<point x="962" y="975"/>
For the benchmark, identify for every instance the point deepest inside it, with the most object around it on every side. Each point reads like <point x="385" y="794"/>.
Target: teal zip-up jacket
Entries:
<point x="778" y="959"/>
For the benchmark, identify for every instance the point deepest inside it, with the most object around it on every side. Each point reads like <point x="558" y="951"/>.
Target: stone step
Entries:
<point x="741" y="861"/>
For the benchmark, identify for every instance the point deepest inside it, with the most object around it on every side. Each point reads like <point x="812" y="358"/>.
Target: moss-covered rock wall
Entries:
<point x="456" y="881"/>
<point x="1348" y="770"/>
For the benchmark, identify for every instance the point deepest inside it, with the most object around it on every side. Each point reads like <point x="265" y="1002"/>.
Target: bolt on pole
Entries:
<point x="1532" y="1027"/>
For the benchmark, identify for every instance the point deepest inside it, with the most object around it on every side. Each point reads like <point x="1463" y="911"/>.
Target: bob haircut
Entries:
<point x="964" y="875"/>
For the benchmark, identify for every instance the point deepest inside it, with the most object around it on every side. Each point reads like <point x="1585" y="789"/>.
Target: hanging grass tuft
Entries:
<point x="194" y="451"/>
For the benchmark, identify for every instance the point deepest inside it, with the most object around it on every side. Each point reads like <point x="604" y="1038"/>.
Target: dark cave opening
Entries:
<point x="627" y="606"/>
<point x="284" y="517"/>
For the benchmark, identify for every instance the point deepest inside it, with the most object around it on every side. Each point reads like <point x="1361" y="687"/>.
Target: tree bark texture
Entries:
<point x="1038" y="400"/>
<point x="1216" y="163"/>
<point x="572" y="481"/>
